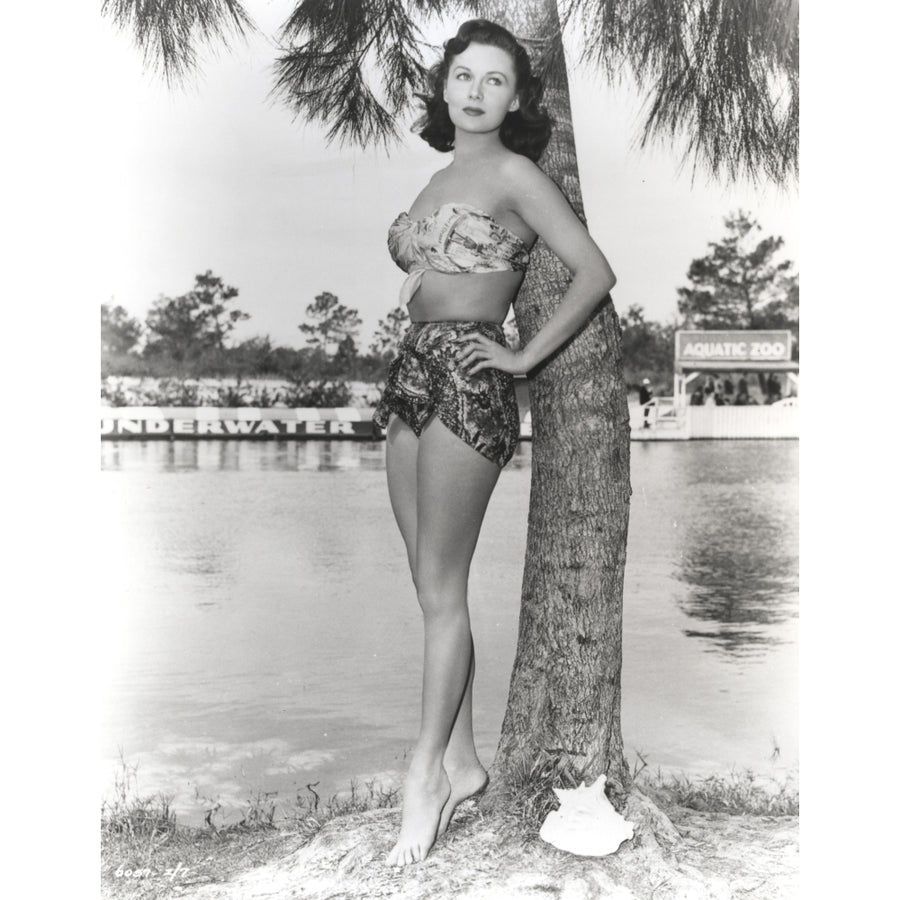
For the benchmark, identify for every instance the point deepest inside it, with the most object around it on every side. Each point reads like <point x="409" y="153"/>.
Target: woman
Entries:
<point x="449" y="408"/>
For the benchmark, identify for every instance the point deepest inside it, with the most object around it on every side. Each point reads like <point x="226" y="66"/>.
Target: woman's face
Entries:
<point x="481" y="88"/>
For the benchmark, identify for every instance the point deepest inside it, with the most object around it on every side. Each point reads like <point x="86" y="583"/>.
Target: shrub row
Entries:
<point x="185" y="392"/>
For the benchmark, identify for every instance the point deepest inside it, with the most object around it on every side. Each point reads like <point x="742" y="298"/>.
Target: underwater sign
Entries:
<point x="231" y="428"/>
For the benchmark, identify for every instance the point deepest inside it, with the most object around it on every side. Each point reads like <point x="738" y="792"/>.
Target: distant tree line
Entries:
<point x="740" y="283"/>
<point x="189" y="336"/>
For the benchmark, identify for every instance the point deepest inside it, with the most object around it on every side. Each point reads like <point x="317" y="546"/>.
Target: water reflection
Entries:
<point x="269" y="633"/>
<point x="739" y="558"/>
<point x="234" y="456"/>
<point x="269" y="456"/>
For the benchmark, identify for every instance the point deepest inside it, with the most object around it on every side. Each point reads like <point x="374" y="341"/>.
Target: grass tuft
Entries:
<point x="130" y="818"/>
<point x="309" y="813"/>
<point x="143" y="847"/>
<point x="738" y="793"/>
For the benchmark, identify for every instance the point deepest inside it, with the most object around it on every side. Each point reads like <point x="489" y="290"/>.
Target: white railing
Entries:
<point x="661" y="418"/>
<point x="658" y="414"/>
<point x="779" y="420"/>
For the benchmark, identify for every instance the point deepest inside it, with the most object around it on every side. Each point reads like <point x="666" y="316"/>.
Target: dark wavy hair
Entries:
<point x="526" y="130"/>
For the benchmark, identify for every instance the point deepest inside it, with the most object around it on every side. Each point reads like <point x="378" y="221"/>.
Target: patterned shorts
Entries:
<point x="426" y="379"/>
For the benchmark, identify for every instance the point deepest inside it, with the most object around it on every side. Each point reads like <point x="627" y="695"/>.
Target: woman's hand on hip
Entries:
<point x="480" y="352"/>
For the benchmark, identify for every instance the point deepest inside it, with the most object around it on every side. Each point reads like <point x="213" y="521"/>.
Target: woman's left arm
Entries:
<point x="542" y="206"/>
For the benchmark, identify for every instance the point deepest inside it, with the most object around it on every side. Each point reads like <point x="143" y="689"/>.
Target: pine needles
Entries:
<point x="355" y="67"/>
<point x="720" y="76"/>
<point x="724" y="74"/>
<point x="169" y="32"/>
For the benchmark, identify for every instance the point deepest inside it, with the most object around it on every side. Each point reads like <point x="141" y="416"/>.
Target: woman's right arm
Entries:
<point x="541" y="204"/>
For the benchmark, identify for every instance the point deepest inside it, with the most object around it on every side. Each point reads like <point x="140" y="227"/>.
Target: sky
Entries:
<point x="219" y="176"/>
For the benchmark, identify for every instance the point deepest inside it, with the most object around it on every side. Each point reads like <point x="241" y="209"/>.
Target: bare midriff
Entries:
<point x="464" y="297"/>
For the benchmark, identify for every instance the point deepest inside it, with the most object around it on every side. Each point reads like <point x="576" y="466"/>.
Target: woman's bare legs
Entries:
<point x="467" y="775"/>
<point x="439" y="489"/>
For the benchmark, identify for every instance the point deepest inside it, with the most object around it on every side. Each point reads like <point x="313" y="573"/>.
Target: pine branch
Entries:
<point x="169" y="32"/>
<point x="720" y="75"/>
<point x="357" y="67"/>
<point x="723" y="73"/>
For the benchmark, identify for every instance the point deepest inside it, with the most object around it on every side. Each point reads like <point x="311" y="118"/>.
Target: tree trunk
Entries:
<point x="565" y="691"/>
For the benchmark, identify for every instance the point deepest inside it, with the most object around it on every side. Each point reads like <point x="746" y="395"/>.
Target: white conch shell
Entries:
<point x="586" y="822"/>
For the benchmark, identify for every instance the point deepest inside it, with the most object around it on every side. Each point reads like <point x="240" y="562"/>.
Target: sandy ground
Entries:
<point x="704" y="855"/>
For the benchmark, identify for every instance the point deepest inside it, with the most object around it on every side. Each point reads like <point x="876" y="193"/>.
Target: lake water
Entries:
<point x="263" y="633"/>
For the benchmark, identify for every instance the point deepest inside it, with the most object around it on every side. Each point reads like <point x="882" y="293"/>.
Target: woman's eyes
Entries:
<point x="466" y="76"/>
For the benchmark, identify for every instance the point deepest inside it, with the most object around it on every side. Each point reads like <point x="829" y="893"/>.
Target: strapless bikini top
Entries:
<point x="455" y="238"/>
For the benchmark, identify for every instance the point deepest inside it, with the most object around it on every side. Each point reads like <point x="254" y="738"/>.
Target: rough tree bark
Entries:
<point x="565" y="690"/>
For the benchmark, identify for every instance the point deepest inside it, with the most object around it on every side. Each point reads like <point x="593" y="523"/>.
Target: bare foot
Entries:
<point x="464" y="783"/>
<point x="422" y="805"/>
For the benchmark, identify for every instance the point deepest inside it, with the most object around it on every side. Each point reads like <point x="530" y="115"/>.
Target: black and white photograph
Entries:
<point x="449" y="449"/>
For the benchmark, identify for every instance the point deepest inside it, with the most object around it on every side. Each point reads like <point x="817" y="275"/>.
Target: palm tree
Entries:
<point x="722" y="74"/>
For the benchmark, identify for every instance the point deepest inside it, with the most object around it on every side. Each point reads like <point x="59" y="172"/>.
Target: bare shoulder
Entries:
<point x="435" y="182"/>
<point x="526" y="184"/>
<point x="520" y="172"/>
<point x="425" y="200"/>
<point x="438" y="175"/>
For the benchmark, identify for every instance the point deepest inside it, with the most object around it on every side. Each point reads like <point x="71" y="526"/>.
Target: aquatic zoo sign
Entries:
<point x="754" y="347"/>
